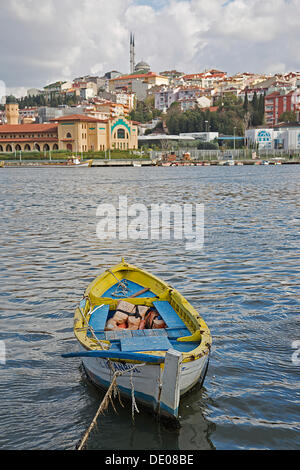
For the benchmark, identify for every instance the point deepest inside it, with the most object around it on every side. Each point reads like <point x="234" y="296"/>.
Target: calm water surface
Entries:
<point x="245" y="283"/>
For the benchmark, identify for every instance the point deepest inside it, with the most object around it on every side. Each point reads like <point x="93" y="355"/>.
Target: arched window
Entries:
<point x="69" y="147"/>
<point x="27" y="148"/>
<point x="264" y="136"/>
<point x="9" y="148"/>
<point x="55" y="147"/>
<point x="121" y="134"/>
<point x="1" y="148"/>
<point x="18" y="148"/>
<point x="46" y="148"/>
<point x="37" y="147"/>
<point x="69" y="135"/>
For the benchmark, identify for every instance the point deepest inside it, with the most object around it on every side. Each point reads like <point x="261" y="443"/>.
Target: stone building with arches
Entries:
<point x="74" y="133"/>
<point x="28" y="137"/>
<point x="83" y="133"/>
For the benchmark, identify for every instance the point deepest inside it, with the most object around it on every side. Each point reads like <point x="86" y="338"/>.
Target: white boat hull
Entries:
<point x="147" y="380"/>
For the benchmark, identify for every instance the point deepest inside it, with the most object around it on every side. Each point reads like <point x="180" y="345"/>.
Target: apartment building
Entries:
<point x="279" y="102"/>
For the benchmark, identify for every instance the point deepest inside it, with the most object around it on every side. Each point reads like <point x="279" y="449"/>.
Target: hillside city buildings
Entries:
<point x="98" y="116"/>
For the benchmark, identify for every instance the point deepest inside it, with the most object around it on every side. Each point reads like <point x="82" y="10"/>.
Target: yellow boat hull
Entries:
<point x="191" y="351"/>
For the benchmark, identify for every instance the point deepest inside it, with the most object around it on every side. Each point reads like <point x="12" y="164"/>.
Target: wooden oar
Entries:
<point x="139" y="293"/>
<point x="117" y="355"/>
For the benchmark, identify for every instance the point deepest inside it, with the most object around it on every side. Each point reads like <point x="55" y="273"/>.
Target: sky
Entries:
<point x="49" y="40"/>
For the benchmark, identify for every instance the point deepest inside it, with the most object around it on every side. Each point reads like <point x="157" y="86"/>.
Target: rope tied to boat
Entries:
<point x="112" y="392"/>
<point x="133" y="401"/>
<point x="122" y="286"/>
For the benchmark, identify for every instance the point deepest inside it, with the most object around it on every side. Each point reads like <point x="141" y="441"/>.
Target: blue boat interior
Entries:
<point x="142" y="340"/>
<point x="116" y="291"/>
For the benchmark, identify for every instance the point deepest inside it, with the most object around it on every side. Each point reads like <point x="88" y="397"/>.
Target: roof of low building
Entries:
<point x="25" y="128"/>
<point x="137" y="75"/>
<point x="78" y="117"/>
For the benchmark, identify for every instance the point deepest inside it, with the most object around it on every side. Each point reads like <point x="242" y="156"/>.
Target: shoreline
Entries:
<point x="147" y="163"/>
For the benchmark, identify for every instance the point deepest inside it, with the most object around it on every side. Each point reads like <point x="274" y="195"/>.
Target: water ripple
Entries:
<point x="245" y="283"/>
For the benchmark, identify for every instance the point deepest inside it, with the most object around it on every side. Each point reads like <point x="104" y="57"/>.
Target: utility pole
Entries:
<point x="234" y="137"/>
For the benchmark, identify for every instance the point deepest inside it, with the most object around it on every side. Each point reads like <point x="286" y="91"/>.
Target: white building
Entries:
<point x="55" y="89"/>
<point x="286" y="138"/>
<point x="140" y="89"/>
<point x="204" y="136"/>
<point x="87" y="93"/>
<point x="165" y="97"/>
<point x="127" y="99"/>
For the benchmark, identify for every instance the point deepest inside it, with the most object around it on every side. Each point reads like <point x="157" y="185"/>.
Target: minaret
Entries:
<point x="132" y="53"/>
<point x="12" y="112"/>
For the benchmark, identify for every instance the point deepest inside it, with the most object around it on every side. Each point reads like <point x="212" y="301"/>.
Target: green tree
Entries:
<point x="254" y="102"/>
<point x="173" y="124"/>
<point x="261" y="105"/>
<point x="246" y="104"/>
<point x="288" y="116"/>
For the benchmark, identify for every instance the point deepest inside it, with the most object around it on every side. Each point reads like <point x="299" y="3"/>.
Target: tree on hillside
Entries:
<point x="254" y="102"/>
<point x="288" y="116"/>
<point x="144" y="111"/>
<point x="246" y="103"/>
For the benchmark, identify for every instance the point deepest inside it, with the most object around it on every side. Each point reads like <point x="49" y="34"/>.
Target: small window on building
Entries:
<point x="121" y="134"/>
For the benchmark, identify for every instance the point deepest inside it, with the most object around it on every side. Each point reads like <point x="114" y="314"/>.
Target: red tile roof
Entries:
<point x="212" y="109"/>
<point x="35" y="139"/>
<point x="78" y="117"/>
<point x="27" y="128"/>
<point x="193" y="75"/>
<point x="140" y="75"/>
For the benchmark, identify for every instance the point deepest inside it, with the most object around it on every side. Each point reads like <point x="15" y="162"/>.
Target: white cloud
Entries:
<point x="32" y="11"/>
<point x="18" y="92"/>
<point x="62" y="39"/>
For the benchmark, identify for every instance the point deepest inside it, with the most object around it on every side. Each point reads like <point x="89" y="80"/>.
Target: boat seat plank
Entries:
<point x="157" y="332"/>
<point x="174" y="333"/>
<point x="116" y="335"/>
<point x="99" y="317"/>
<point x="154" y="343"/>
<point x="168" y="314"/>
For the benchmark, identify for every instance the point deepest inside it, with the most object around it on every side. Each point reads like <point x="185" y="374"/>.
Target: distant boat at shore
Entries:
<point x="75" y="161"/>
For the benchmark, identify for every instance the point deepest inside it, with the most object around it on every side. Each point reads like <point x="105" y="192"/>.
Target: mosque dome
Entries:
<point x="141" y="66"/>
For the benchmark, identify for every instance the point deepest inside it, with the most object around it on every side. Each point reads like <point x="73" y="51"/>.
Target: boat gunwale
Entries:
<point x="191" y="318"/>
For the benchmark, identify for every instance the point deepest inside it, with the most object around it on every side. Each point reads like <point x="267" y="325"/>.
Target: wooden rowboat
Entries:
<point x="160" y="363"/>
<point x="77" y="162"/>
